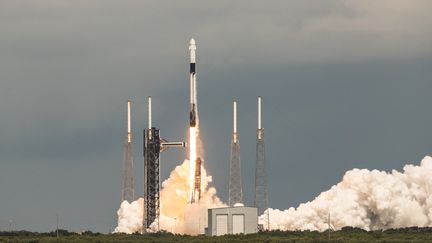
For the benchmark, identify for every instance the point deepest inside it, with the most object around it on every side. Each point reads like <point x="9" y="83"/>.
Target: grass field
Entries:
<point x="347" y="234"/>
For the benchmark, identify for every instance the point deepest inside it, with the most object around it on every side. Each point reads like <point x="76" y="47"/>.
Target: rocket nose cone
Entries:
<point x="192" y="41"/>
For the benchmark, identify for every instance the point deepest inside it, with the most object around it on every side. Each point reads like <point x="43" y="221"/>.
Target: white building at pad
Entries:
<point x="232" y="220"/>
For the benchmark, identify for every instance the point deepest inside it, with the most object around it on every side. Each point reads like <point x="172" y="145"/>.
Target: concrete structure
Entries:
<point x="232" y="220"/>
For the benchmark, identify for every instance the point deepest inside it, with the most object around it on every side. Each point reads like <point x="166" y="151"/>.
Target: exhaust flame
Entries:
<point x="177" y="214"/>
<point x="192" y="157"/>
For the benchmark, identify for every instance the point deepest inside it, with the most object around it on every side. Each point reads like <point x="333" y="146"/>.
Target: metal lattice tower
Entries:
<point x="153" y="146"/>
<point x="151" y="172"/>
<point x="261" y="184"/>
<point x="151" y="176"/>
<point x="128" y="182"/>
<point x="235" y="182"/>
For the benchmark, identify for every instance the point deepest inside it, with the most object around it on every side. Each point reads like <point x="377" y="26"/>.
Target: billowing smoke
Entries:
<point x="175" y="197"/>
<point x="130" y="216"/>
<point x="176" y="213"/>
<point x="366" y="199"/>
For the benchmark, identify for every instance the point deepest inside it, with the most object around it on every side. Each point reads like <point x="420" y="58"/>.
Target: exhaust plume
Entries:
<point x="366" y="199"/>
<point x="177" y="214"/>
<point x="130" y="216"/>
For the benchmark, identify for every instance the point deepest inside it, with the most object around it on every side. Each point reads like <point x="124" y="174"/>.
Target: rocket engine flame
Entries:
<point x="192" y="156"/>
<point x="195" y="166"/>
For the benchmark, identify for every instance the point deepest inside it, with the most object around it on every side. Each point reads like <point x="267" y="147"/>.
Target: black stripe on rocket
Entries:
<point x="192" y="68"/>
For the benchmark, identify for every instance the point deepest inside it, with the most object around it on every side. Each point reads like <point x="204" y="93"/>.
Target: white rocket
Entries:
<point x="193" y="91"/>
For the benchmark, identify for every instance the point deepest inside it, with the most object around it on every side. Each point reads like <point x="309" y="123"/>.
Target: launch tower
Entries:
<point x="261" y="186"/>
<point x="235" y="182"/>
<point x="128" y="182"/>
<point x="153" y="146"/>
<point x="151" y="171"/>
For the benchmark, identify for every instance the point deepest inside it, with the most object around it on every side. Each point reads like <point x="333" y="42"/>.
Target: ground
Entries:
<point x="347" y="234"/>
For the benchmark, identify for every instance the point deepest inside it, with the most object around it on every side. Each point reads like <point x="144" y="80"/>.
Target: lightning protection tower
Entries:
<point x="153" y="146"/>
<point x="261" y="186"/>
<point x="128" y="182"/>
<point x="235" y="182"/>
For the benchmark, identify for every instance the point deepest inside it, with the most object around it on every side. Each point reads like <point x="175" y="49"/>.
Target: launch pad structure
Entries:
<point x="128" y="181"/>
<point x="235" y="180"/>
<point x="153" y="146"/>
<point x="261" y="183"/>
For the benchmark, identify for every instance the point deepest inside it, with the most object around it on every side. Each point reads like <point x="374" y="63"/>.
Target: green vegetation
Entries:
<point x="347" y="234"/>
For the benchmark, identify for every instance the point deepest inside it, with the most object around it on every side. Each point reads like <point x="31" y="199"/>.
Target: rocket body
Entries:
<point x="193" y="116"/>
<point x="194" y="139"/>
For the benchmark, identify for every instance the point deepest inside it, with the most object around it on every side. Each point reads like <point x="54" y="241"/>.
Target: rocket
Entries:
<point x="194" y="123"/>
<point x="193" y="115"/>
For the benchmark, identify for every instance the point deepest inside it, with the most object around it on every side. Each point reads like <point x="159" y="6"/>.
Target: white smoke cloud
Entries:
<point x="130" y="217"/>
<point x="366" y="199"/>
<point x="176" y="213"/>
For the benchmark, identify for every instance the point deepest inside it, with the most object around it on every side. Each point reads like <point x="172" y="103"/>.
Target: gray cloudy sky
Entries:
<point x="345" y="84"/>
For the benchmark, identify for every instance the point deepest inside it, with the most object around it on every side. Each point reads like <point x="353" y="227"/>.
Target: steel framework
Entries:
<point x="128" y="185"/>
<point x="128" y="181"/>
<point x="236" y="181"/>
<point x="153" y="146"/>
<point x="261" y="184"/>
<point x="151" y="176"/>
